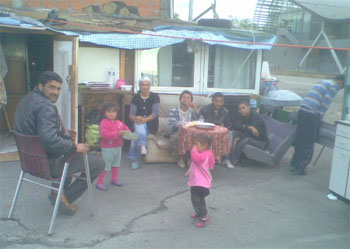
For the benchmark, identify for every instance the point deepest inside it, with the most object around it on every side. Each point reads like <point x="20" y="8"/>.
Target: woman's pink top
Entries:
<point x="202" y="162"/>
<point x="109" y="131"/>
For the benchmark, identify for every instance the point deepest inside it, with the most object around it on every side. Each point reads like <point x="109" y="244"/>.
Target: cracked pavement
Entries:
<point x="254" y="206"/>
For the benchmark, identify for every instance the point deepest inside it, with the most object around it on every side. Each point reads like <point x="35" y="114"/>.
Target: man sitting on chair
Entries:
<point x="37" y="115"/>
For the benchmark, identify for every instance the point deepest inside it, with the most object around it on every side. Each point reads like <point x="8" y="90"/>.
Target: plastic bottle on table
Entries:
<point x="111" y="78"/>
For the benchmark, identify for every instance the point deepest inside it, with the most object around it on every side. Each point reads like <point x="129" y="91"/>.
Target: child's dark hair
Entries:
<point x="108" y="106"/>
<point x="202" y="139"/>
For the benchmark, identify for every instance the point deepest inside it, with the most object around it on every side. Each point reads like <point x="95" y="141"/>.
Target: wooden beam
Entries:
<point x="74" y="84"/>
<point x="122" y="64"/>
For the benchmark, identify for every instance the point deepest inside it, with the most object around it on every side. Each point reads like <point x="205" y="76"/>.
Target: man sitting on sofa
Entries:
<point x="217" y="114"/>
<point x="187" y="111"/>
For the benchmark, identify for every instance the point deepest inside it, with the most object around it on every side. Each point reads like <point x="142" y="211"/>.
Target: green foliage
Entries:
<point x="243" y="24"/>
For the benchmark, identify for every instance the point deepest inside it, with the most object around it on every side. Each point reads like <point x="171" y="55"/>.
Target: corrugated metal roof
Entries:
<point x="329" y="9"/>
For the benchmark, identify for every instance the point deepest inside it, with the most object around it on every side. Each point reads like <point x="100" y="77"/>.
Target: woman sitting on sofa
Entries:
<point x="144" y="111"/>
<point x="187" y="111"/>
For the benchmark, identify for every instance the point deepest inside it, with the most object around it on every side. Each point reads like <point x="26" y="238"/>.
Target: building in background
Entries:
<point x="311" y="23"/>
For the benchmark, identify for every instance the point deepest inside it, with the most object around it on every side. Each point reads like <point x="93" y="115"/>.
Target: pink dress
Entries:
<point x="202" y="162"/>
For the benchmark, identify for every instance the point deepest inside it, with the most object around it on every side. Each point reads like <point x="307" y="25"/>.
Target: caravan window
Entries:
<point x="201" y="68"/>
<point x="168" y="66"/>
<point x="230" y="68"/>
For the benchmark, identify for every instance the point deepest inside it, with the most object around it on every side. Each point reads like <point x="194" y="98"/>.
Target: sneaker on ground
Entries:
<point x="101" y="186"/>
<point x="228" y="164"/>
<point x="134" y="165"/>
<point x="181" y="163"/>
<point x="143" y="150"/>
<point x="202" y="222"/>
<point x="118" y="184"/>
<point x="65" y="207"/>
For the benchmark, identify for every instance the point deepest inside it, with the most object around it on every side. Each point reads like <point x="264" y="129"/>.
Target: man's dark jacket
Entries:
<point x="37" y="115"/>
<point x="253" y="119"/>
<point x="221" y="117"/>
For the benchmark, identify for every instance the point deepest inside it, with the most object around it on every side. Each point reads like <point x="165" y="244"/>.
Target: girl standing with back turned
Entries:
<point x="200" y="177"/>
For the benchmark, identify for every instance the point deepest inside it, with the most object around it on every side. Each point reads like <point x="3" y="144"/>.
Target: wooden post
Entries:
<point x="74" y="84"/>
<point x="122" y="64"/>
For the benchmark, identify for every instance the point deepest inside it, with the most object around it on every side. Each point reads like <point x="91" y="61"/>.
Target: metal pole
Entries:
<point x="171" y="9"/>
<point x="346" y="99"/>
<point x="190" y="11"/>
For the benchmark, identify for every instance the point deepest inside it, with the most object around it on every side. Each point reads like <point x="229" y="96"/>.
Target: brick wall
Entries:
<point x="147" y="8"/>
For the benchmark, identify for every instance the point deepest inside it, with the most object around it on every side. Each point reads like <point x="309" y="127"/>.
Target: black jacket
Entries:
<point x="241" y="124"/>
<point x="36" y="115"/>
<point x="220" y="117"/>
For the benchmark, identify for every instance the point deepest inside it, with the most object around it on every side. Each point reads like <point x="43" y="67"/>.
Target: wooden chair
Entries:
<point x="34" y="161"/>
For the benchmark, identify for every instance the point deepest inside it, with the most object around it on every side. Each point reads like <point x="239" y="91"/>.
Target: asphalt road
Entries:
<point x="252" y="206"/>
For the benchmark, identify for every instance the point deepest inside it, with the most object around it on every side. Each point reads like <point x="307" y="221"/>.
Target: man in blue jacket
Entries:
<point x="37" y="115"/>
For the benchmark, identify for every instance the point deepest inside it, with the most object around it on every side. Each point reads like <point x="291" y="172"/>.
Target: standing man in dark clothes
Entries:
<point x="309" y="116"/>
<point x="249" y="128"/>
<point x="217" y="114"/>
<point x="37" y="115"/>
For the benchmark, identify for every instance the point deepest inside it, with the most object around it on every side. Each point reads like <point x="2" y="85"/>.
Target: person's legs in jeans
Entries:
<point x="198" y="195"/>
<point x="307" y="130"/>
<point x="198" y="204"/>
<point x="76" y="164"/>
<point x="180" y="159"/>
<point x="236" y="154"/>
<point x="134" y="152"/>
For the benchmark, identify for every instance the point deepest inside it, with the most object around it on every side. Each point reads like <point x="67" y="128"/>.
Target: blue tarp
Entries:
<point x="168" y="35"/>
<point x="218" y="36"/>
<point x="20" y="21"/>
<point x="124" y="41"/>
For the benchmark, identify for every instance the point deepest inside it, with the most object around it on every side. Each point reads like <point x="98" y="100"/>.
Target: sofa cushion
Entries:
<point x="170" y="101"/>
<point x="160" y="141"/>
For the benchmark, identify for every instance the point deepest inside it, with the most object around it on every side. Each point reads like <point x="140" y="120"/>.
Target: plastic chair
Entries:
<point x="34" y="161"/>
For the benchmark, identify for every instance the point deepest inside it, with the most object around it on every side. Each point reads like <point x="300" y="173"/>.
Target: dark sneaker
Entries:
<point x="202" y="222"/>
<point x="65" y="207"/>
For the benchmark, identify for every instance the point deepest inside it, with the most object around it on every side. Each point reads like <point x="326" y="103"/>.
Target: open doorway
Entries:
<point x="40" y="56"/>
<point x="27" y="56"/>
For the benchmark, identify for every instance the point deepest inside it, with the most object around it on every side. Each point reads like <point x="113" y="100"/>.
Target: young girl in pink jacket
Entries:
<point x="200" y="177"/>
<point x="112" y="132"/>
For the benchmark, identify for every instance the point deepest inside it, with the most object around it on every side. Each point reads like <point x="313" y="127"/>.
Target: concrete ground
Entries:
<point x="255" y="206"/>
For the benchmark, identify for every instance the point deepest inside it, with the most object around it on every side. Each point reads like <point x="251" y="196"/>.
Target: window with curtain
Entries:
<point x="231" y="68"/>
<point x="176" y="65"/>
<point x="168" y="66"/>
